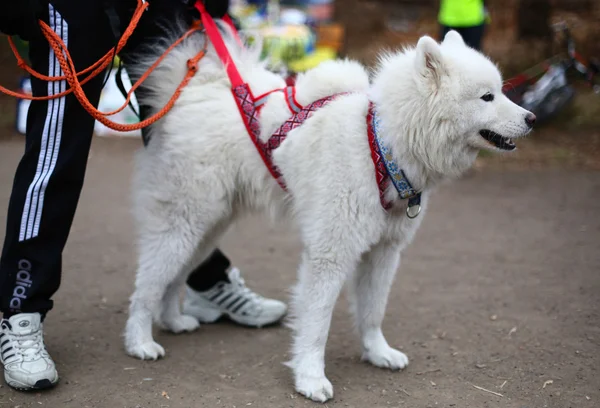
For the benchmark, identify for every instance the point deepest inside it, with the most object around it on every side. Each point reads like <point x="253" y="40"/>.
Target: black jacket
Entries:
<point x="20" y="17"/>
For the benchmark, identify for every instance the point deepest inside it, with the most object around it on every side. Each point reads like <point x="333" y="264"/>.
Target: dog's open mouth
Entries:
<point x="499" y="141"/>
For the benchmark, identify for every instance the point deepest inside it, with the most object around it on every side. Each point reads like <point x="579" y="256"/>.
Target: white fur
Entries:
<point x="201" y="171"/>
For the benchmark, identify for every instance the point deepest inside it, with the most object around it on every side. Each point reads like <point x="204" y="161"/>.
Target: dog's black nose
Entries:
<point x="530" y="119"/>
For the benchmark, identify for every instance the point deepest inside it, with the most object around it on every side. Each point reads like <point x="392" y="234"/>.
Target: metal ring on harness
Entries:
<point x="413" y="216"/>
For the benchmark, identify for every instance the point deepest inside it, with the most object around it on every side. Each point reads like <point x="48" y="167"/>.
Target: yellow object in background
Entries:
<point x="461" y="13"/>
<point x="320" y="55"/>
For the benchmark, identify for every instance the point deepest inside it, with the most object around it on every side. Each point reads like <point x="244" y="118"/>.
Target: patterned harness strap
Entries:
<point x="387" y="170"/>
<point x="290" y="99"/>
<point x="381" y="174"/>
<point x="250" y="110"/>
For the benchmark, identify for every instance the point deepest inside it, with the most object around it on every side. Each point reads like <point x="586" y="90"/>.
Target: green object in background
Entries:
<point x="283" y="44"/>
<point x="462" y="13"/>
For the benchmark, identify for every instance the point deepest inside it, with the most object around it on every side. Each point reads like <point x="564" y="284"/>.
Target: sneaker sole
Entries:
<point x="253" y="322"/>
<point x="38" y="386"/>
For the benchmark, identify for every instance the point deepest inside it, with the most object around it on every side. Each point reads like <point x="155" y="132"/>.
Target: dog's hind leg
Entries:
<point x="171" y="317"/>
<point x="369" y="289"/>
<point x="163" y="256"/>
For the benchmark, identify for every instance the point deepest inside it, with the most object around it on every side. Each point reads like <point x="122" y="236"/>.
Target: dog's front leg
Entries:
<point x="320" y="282"/>
<point x="369" y="292"/>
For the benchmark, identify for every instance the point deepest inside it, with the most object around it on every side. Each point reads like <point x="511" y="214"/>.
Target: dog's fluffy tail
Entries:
<point x="329" y="78"/>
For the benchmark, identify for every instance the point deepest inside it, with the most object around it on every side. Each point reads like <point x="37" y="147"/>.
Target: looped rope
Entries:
<point x="71" y="75"/>
<point x="191" y="64"/>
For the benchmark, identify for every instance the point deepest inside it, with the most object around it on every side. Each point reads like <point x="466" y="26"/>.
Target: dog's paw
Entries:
<point x="386" y="357"/>
<point x="180" y="324"/>
<point x="318" y="389"/>
<point x="146" y="351"/>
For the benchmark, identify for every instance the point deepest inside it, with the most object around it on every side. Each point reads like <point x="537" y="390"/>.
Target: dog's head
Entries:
<point x="467" y="89"/>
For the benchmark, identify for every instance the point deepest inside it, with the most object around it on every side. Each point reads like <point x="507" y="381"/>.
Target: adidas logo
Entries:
<point x="22" y="284"/>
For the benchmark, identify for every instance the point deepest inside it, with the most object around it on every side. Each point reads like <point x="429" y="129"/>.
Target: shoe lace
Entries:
<point x="28" y="345"/>
<point x="235" y="277"/>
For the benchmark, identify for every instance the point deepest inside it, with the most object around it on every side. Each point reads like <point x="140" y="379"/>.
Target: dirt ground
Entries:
<point x="500" y="290"/>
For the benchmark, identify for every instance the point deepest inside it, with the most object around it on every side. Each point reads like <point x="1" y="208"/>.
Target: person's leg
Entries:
<point x="214" y="284"/>
<point x="473" y="36"/>
<point x="210" y="272"/>
<point x="477" y="36"/>
<point x="45" y="193"/>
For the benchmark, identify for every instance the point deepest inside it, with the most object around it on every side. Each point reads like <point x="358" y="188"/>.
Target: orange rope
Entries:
<point x="67" y="66"/>
<point x="98" y="67"/>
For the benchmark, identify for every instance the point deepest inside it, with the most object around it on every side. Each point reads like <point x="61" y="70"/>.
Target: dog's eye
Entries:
<point x="488" y="97"/>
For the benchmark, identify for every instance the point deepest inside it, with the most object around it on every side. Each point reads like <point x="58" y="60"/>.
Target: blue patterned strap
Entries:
<point x="403" y="186"/>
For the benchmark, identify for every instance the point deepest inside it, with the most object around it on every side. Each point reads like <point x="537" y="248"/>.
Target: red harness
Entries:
<point x="250" y="106"/>
<point x="249" y="110"/>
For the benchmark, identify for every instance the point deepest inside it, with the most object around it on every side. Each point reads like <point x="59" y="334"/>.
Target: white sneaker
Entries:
<point x="27" y="364"/>
<point x="235" y="300"/>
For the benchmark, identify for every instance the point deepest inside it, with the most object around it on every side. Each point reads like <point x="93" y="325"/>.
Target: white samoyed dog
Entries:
<point x="437" y="104"/>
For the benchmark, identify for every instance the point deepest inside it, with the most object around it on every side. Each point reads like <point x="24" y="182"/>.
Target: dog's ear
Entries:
<point x="430" y="61"/>
<point x="453" y="37"/>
